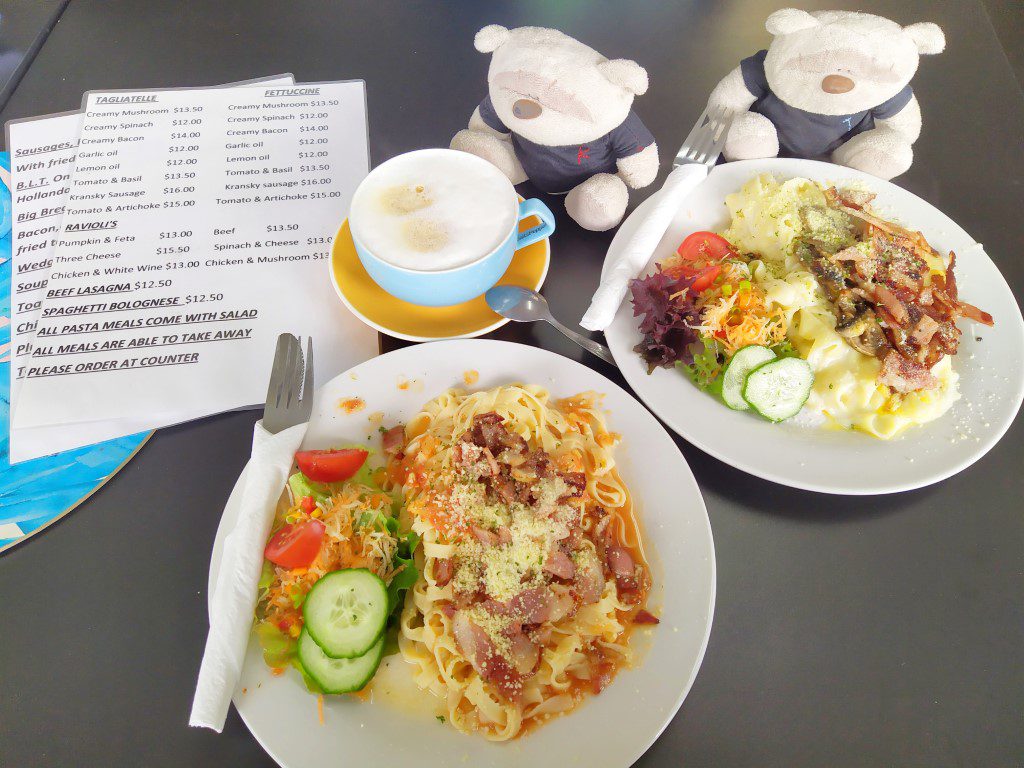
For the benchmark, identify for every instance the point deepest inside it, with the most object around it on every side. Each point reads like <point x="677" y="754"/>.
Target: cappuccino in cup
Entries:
<point x="433" y="210"/>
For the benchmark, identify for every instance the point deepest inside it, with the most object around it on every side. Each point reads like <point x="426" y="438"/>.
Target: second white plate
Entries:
<point x="990" y="361"/>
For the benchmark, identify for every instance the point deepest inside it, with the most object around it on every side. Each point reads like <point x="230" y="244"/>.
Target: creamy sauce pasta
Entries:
<point x="846" y="391"/>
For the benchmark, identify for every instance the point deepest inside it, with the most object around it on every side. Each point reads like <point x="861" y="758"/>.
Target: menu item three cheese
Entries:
<point x="532" y="570"/>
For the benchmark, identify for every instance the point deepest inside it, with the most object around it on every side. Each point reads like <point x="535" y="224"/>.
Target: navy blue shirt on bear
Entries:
<point x="806" y="134"/>
<point x="559" y="169"/>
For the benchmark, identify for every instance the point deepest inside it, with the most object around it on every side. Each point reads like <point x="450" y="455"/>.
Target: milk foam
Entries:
<point x="433" y="210"/>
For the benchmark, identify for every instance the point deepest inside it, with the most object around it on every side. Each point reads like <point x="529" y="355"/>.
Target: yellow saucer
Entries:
<point x="379" y="309"/>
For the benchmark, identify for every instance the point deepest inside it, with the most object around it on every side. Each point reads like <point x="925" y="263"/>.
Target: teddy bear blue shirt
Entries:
<point x="806" y="134"/>
<point x="559" y="169"/>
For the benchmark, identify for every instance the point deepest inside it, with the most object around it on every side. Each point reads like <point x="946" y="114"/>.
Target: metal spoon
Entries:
<point x="526" y="306"/>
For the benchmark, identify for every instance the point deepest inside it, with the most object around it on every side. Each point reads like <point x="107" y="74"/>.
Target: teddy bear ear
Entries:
<point x="625" y="73"/>
<point x="490" y="38"/>
<point x="927" y="37"/>
<point x="787" y="20"/>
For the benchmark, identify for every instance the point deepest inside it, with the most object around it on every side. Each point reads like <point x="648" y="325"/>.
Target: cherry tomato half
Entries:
<point x="295" y="545"/>
<point x="705" y="248"/>
<point x="330" y="466"/>
<point x="706" y="278"/>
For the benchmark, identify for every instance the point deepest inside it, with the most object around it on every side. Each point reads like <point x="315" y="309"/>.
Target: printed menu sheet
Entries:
<point x="197" y="228"/>
<point x="43" y="151"/>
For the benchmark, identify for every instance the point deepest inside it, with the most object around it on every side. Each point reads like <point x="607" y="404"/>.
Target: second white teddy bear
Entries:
<point x="560" y="114"/>
<point x="832" y="84"/>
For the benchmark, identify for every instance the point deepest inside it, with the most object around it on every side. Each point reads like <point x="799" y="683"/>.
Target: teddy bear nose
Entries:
<point x="526" y="109"/>
<point x="837" y="84"/>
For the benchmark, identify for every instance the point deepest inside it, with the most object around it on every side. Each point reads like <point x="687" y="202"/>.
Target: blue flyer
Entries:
<point x="35" y="493"/>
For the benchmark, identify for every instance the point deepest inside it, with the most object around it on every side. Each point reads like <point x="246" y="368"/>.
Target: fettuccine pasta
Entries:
<point x="532" y="566"/>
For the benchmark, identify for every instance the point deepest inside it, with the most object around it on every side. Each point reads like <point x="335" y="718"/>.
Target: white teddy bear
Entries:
<point x="831" y="84"/>
<point x="560" y="114"/>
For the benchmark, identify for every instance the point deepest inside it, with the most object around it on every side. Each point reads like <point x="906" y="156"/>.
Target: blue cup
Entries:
<point x="445" y="287"/>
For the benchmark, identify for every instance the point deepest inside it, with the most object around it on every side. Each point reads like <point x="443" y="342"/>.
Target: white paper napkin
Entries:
<point x="235" y="593"/>
<point x="637" y="252"/>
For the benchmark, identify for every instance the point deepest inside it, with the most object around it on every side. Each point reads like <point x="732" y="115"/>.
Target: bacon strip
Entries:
<point x="924" y="330"/>
<point x="619" y="560"/>
<point x="476" y="646"/>
<point x="645" y="617"/>
<point x="394" y="439"/>
<point x="894" y="305"/>
<point x="905" y="375"/>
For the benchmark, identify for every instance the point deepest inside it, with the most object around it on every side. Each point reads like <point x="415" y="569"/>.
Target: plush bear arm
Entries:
<point x="639" y="170"/>
<point x="732" y="93"/>
<point x="906" y="122"/>
<point x="882" y="152"/>
<point x="476" y="123"/>
<point x="886" y="150"/>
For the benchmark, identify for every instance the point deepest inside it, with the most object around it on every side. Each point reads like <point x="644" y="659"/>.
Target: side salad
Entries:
<point x="335" y="573"/>
<point x="701" y="312"/>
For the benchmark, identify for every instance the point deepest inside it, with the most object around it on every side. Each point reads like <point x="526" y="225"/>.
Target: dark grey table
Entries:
<point x="24" y="26"/>
<point x="848" y="632"/>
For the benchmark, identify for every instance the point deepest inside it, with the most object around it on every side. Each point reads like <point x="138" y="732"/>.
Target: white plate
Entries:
<point x="990" y="361"/>
<point x="640" y="702"/>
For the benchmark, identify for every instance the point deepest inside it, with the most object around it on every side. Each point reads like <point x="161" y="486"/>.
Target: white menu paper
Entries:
<point x="197" y="229"/>
<point x="43" y="151"/>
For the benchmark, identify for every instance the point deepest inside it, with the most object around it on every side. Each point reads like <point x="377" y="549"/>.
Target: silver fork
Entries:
<point x="701" y="148"/>
<point x="290" y="392"/>
<point x="705" y="143"/>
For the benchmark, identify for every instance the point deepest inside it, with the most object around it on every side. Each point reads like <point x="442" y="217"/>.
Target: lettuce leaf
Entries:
<point x="668" y="317"/>
<point x="785" y="348"/>
<point x="406" y="577"/>
<point x="707" y="366"/>
<point x="402" y="581"/>
<point x="278" y="648"/>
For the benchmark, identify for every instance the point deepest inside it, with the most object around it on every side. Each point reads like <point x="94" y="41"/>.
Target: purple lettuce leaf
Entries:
<point x="666" y="322"/>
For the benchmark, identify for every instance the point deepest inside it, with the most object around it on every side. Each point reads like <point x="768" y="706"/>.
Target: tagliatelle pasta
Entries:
<point x="532" y="566"/>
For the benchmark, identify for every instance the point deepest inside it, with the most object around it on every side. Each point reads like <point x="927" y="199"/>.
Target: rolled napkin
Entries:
<point x="235" y="593"/>
<point x="637" y="252"/>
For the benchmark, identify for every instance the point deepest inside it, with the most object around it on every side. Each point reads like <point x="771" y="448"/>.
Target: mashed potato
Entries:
<point x="765" y="222"/>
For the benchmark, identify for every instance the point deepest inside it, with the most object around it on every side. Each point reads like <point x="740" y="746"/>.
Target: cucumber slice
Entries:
<point x="345" y="612"/>
<point x="338" y="675"/>
<point x="743" y="362"/>
<point x="779" y="389"/>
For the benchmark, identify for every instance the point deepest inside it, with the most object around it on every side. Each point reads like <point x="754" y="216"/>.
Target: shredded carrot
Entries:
<point x="740" y="317"/>
<point x="320" y="707"/>
<point x="277" y="671"/>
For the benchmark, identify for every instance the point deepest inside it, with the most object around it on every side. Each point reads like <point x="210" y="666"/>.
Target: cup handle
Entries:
<point x="534" y="207"/>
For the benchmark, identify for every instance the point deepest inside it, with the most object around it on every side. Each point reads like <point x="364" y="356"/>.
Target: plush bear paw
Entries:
<point x="494" y="149"/>
<point x="880" y="152"/>
<point x="640" y="169"/>
<point x="598" y="203"/>
<point x="751" y="137"/>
